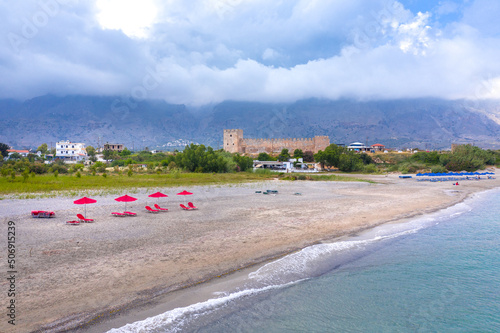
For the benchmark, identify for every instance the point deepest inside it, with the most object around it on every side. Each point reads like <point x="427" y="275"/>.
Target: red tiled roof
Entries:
<point x="17" y="151"/>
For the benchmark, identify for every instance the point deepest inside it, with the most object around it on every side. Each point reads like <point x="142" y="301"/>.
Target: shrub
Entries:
<point x="78" y="174"/>
<point x="26" y="175"/>
<point x="301" y="177"/>
<point x="370" y="168"/>
<point x="59" y="168"/>
<point x="438" y="169"/>
<point x="39" y="168"/>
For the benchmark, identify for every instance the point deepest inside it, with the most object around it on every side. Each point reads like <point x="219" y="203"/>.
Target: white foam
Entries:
<point x="292" y="269"/>
<point x="172" y="321"/>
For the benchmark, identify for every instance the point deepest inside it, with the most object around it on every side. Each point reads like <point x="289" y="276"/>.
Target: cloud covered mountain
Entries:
<point x="423" y="123"/>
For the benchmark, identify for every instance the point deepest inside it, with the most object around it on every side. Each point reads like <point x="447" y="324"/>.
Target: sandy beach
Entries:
<point x="76" y="276"/>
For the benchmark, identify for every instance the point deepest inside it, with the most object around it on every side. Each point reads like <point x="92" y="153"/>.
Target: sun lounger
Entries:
<point x="184" y="207"/>
<point x="83" y="219"/>
<point x="190" y="204"/>
<point x="159" y="208"/>
<point x="73" y="222"/>
<point x="118" y="214"/>
<point x="42" y="213"/>
<point x="151" y="210"/>
<point x="130" y="213"/>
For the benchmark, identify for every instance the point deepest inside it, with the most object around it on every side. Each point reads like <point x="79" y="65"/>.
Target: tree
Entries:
<point x="244" y="162"/>
<point x="469" y="158"/>
<point x="15" y="156"/>
<point x="330" y="156"/>
<point x="90" y="151"/>
<point x="43" y="148"/>
<point x="284" y="155"/>
<point x="107" y="154"/>
<point x="308" y="156"/>
<point x="350" y="162"/>
<point x="264" y="157"/>
<point x="298" y="153"/>
<point x="125" y="152"/>
<point x="3" y="149"/>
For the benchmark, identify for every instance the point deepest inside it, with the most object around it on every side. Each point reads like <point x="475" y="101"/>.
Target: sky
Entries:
<point x="202" y="52"/>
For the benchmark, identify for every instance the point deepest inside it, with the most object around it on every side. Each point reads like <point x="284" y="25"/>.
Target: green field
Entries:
<point x="48" y="185"/>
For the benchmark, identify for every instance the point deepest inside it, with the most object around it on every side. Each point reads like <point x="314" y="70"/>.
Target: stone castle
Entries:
<point x="235" y="143"/>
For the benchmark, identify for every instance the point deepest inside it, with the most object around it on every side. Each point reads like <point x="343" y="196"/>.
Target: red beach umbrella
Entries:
<point x="184" y="193"/>
<point x="126" y="198"/>
<point x="84" y="201"/>
<point x="158" y="195"/>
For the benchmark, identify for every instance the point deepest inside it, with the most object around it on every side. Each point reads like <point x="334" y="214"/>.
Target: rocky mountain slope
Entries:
<point x="424" y="123"/>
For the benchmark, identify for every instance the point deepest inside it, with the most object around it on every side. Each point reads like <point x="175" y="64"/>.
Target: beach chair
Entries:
<point x="184" y="207"/>
<point x="42" y="213"/>
<point x="159" y="208"/>
<point x="73" y="222"/>
<point x="190" y="204"/>
<point x="151" y="210"/>
<point x="130" y="213"/>
<point x="83" y="219"/>
<point x="118" y="214"/>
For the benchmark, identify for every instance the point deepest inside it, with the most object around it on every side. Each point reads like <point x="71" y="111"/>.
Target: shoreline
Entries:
<point x="251" y="218"/>
<point x="204" y="290"/>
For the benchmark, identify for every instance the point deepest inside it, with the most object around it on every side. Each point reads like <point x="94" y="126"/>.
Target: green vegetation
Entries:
<point x="343" y="159"/>
<point x="338" y="178"/>
<point x="463" y="158"/>
<point x="200" y="165"/>
<point x="47" y="183"/>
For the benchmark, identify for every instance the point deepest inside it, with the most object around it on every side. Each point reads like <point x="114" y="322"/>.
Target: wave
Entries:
<point x="307" y="263"/>
<point x="174" y="320"/>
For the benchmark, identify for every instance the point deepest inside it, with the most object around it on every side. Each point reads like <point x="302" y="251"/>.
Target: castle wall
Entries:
<point x="235" y="143"/>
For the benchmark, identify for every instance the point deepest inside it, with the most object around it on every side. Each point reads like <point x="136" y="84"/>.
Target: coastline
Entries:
<point x="352" y="205"/>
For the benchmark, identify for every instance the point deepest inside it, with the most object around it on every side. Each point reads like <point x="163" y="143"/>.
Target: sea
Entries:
<point x="435" y="273"/>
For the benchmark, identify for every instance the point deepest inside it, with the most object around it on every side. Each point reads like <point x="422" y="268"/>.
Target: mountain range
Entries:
<point x="95" y="120"/>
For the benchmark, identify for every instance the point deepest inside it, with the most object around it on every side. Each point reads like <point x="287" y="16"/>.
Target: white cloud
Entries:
<point x="133" y="17"/>
<point x="256" y="50"/>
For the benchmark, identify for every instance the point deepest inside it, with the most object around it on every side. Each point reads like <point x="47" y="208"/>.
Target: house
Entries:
<point x="114" y="147"/>
<point x="377" y="147"/>
<point x="293" y="165"/>
<point x="358" y="147"/>
<point x="71" y="151"/>
<point x="22" y="152"/>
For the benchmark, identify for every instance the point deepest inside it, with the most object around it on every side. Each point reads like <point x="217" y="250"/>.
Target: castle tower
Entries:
<point x="232" y="141"/>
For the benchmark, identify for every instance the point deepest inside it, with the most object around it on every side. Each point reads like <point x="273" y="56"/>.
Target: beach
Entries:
<point x="73" y="276"/>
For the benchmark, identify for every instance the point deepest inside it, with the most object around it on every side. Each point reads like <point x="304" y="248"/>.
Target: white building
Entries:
<point x="22" y="152"/>
<point x="358" y="146"/>
<point x="70" y="151"/>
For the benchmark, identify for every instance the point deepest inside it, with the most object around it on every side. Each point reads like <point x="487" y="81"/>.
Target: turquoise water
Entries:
<point x="438" y="273"/>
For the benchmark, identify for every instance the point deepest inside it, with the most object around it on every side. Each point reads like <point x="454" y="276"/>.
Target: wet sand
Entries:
<point x="69" y="276"/>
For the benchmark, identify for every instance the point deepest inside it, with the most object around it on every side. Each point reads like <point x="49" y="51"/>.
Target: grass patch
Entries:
<point x="48" y="185"/>
<point x="336" y="178"/>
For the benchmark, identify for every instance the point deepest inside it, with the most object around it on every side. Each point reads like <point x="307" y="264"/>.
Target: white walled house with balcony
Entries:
<point x="71" y="151"/>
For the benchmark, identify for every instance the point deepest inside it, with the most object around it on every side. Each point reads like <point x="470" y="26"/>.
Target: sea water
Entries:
<point x="437" y="273"/>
